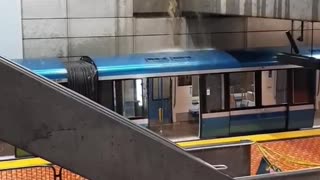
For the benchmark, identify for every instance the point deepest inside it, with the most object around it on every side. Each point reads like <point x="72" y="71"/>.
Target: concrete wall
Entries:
<point x="10" y="47"/>
<point x="73" y="28"/>
<point x="10" y="29"/>
<point x="70" y="28"/>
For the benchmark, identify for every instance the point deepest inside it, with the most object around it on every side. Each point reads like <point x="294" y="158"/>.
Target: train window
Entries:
<point x="195" y="86"/>
<point x="274" y="87"/>
<point x="242" y="90"/>
<point x="132" y="99"/>
<point x="161" y="88"/>
<point x="303" y="86"/>
<point x="214" y="93"/>
<point x="184" y="81"/>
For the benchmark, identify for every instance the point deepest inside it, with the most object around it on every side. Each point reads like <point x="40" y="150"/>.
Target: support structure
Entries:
<point x="299" y="60"/>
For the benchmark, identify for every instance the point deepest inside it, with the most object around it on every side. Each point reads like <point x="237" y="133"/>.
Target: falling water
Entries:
<point x="175" y="22"/>
<point x="200" y="40"/>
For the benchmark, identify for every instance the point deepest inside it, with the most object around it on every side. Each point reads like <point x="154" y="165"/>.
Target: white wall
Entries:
<point x="10" y="29"/>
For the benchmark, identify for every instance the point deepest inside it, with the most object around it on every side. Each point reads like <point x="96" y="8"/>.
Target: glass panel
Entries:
<point x="128" y="98"/>
<point x="139" y="92"/>
<point x="184" y="80"/>
<point x="274" y="87"/>
<point x="303" y="84"/>
<point x="166" y="87"/>
<point x="195" y="86"/>
<point x="242" y="90"/>
<point x="133" y="99"/>
<point x="155" y="88"/>
<point x="161" y="88"/>
<point x="214" y="93"/>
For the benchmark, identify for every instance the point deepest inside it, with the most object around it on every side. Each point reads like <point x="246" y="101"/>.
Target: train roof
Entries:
<point x="51" y="68"/>
<point x="165" y="63"/>
<point x="181" y="63"/>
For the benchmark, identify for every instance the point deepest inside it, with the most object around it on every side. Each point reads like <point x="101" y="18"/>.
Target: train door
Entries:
<point x="301" y="92"/>
<point x="215" y="117"/>
<point x="185" y="108"/>
<point x="159" y="102"/>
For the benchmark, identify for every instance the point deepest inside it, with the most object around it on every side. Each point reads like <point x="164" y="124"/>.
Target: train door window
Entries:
<point x="274" y="87"/>
<point x="184" y="80"/>
<point x="133" y="100"/>
<point x="303" y="86"/>
<point x="242" y="90"/>
<point x="195" y="86"/>
<point x="214" y="93"/>
<point x="161" y="84"/>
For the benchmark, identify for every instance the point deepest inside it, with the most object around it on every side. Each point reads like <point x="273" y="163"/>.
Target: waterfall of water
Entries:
<point x="175" y="21"/>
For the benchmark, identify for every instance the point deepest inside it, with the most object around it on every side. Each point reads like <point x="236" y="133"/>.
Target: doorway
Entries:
<point x="174" y="107"/>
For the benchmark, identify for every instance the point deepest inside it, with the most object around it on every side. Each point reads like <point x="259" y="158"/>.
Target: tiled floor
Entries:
<point x="306" y="150"/>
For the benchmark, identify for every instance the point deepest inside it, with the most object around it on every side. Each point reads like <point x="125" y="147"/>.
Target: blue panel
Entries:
<point x="167" y="62"/>
<point x="301" y="119"/>
<point x="243" y="124"/>
<point x="154" y="105"/>
<point x="215" y="127"/>
<point x="53" y="69"/>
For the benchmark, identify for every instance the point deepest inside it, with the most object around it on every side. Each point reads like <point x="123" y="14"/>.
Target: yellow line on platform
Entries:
<point x="23" y="163"/>
<point x="253" y="138"/>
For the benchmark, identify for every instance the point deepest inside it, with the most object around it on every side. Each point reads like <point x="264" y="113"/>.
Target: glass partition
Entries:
<point x="274" y="87"/>
<point x="242" y="90"/>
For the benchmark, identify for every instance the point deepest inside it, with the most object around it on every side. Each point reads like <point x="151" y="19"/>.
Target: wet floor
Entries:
<point x="180" y="131"/>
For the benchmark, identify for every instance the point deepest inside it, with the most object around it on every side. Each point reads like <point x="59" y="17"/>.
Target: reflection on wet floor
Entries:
<point x="179" y="131"/>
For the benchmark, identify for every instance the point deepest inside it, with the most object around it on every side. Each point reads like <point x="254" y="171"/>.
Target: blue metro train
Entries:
<point x="196" y="94"/>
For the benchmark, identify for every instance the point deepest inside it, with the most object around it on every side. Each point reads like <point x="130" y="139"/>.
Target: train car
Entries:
<point x="198" y="94"/>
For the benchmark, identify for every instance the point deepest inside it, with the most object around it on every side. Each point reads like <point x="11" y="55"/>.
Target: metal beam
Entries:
<point x="78" y="134"/>
<point x="304" y="61"/>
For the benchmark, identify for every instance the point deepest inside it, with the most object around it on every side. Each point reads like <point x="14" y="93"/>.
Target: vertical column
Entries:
<point x="10" y="29"/>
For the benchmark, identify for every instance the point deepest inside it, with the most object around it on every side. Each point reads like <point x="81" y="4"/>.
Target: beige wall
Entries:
<point x="69" y="28"/>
